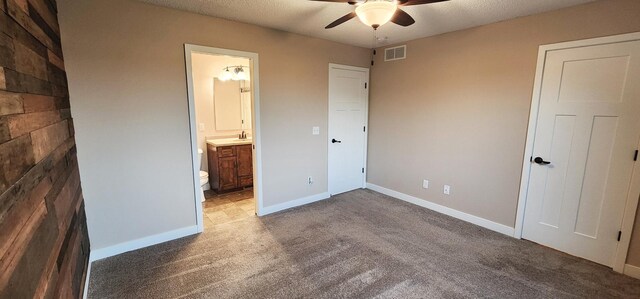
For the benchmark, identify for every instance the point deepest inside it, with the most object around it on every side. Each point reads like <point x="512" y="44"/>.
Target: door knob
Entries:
<point x="335" y="141"/>
<point x="539" y="160"/>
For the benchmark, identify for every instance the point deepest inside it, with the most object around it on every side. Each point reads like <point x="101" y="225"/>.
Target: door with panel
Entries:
<point x="586" y="135"/>
<point x="348" y="98"/>
<point x="245" y="165"/>
<point x="228" y="173"/>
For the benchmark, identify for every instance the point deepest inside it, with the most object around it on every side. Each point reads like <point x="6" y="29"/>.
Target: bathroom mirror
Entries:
<point x="232" y="105"/>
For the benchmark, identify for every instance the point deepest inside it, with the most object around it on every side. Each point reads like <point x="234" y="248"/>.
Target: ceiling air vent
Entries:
<point x="395" y="53"/>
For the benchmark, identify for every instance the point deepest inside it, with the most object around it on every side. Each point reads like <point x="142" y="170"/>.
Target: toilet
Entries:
<point x="204" y="176"/>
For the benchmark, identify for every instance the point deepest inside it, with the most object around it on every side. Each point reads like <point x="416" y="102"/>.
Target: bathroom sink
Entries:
<point x="229" y="141"/>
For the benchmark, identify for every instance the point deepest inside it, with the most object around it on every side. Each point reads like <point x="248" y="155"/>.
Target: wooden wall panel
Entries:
<point x="44" y="244"/>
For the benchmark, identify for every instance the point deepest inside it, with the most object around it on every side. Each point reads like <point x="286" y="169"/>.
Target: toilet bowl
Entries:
<point x="204" y="177"/>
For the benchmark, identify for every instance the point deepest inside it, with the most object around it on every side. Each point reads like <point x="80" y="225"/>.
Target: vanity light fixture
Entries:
<point x="235" y="73"/>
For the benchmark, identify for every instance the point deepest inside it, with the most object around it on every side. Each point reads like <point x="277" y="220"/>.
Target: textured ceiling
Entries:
<point x="309" y="18"/>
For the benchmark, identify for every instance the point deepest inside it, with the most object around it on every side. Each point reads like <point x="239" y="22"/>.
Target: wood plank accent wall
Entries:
<point x="44" y="245"/>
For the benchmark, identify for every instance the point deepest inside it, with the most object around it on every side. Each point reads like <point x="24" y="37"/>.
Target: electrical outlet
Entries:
<point x="201" y="127"/>
<point x="315" y="130"/>
<point x="310" y="180"/>
<point x="447" y="189"/>
<point x="425" y="184"/>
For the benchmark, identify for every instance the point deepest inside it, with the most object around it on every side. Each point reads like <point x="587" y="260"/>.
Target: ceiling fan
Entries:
<point x="376" y="13"/>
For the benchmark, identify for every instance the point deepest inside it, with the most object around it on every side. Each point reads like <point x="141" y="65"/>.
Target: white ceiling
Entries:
<point x="309" y="18"/>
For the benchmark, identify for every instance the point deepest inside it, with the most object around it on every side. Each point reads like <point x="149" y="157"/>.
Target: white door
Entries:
<point x="348" y="97"/>
<point x="587" y="131"/>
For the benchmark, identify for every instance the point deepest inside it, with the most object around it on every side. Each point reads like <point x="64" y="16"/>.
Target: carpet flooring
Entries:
<point x="360" y="244"/>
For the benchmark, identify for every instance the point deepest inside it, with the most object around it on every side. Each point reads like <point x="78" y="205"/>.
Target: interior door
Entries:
<point x="583" y="154"/>
<point x="348" y="97"/>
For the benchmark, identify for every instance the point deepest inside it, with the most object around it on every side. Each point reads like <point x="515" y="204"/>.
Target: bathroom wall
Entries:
<point x="44" y="245"/>
<point x="126" y="66"/>
<point x="205" y="68"/>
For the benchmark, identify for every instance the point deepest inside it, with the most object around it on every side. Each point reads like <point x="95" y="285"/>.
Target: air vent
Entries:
<point x="395" y="53"/>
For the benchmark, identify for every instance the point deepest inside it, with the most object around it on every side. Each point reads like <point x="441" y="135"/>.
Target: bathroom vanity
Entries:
<point x="230" y="164"/>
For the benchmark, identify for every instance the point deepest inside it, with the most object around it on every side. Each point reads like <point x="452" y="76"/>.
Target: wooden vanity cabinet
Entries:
<point x="230" y="167"/>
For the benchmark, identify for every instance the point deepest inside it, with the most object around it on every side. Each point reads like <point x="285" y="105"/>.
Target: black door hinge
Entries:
<point x="635" y="156"/>
<point x="362" y="169"/>
<point x="364" y="129"/>
<point x="371" y="62"/>
<point x="619" y="235"/>
<point x="365" y="85"/>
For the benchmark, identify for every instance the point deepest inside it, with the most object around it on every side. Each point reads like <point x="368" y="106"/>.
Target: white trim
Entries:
<point x="632" y="271"/>
<point x="366" y="122"/>
<point x="86" y="279"/>
<point x="256" y="128"/>
<point x="632" y="201"/>
<point x="488" y="224"/>
<point x="141" y="243"/>
<point x="294" y="203"/>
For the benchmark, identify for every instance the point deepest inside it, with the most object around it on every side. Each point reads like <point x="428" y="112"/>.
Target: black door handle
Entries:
<point x="335" y="141"/>
<point x="539" y="160"/>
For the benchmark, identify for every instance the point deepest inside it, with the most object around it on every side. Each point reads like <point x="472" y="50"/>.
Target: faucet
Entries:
<point x="242" y="135"/>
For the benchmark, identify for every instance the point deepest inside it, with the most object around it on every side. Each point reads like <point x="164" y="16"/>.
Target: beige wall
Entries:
<point x="456" y="110"/>
<point x="125" y="63"/>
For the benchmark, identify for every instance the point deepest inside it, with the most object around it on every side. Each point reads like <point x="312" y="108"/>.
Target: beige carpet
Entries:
<point x="356" y="245"/>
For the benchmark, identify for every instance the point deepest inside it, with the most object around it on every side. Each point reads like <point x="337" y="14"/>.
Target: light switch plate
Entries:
<point x="447" y="189"/>
<point x="316" y="131"/>
<point x="201" y="127"/>
<point x="425" y="184"/>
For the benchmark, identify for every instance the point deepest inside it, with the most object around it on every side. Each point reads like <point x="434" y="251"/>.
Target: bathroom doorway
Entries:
<point x="224" y="118"/>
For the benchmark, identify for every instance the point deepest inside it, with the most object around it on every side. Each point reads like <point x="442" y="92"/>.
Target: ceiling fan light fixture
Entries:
<point x="376" y="13"/>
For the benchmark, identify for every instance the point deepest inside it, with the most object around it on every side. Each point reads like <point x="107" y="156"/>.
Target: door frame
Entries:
<point x="634" y="190"/>
<point x="366" y="121"/>
<point x="189" y="49"/>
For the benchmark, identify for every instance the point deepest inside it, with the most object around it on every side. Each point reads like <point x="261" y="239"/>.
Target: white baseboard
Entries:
<point x="497" y="227"/>
<point x="106" y="252"/>
<point x="633" y="271"/>
<point x="293" y="203"/>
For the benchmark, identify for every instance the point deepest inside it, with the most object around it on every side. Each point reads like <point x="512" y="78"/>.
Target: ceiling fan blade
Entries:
<point x="339" y="21"/>
<point x="417" y="2"/>
<point x="402" y="18"/>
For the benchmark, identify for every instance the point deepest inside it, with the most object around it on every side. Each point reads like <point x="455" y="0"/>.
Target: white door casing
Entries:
<point x="588" y="127"/>
<point x="347" y="134"/>
<point x="256" y="130"/>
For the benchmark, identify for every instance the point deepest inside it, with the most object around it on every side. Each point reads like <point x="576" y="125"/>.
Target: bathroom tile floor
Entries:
<point x="228" y="207"/>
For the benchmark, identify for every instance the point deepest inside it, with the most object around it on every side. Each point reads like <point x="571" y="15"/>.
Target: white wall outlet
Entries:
<point x="201" y="127"/>
<point x="310" y="180"/>
<point x="316" y="131"/>
<point x="425" y="184"/>
<point x="447" y="189"/>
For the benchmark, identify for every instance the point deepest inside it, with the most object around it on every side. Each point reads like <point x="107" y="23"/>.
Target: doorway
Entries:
<point x="223" y="85"/>
<point x="578" y="183"/>
<point x="348" y="116"/>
